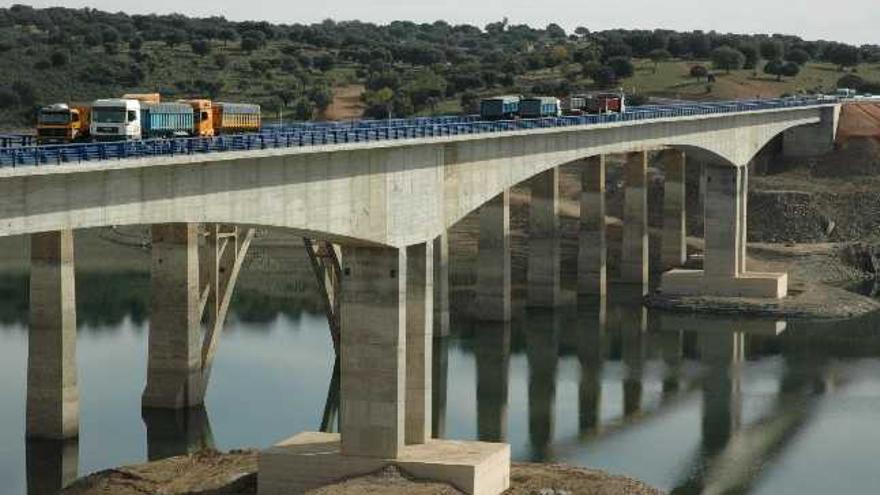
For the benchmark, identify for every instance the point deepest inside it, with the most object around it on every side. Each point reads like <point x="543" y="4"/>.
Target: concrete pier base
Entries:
<point x="311" y="460"/>
<point x="52" y="392"/>
<point x="724" y="272"/>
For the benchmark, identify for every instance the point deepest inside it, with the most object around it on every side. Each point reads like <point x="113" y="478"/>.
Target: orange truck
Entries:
<point x="203" y="116"/>
<point x="63" y="123"/>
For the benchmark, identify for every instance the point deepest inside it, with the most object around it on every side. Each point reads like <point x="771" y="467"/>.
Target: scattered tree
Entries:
<point x="727" y="58"/>
<point x="699" y="72"/>
<point x="798" y="56"/>
<point x="622" y="67"/>
<point x="200" y="47"/>
<point x="659" y="55"/>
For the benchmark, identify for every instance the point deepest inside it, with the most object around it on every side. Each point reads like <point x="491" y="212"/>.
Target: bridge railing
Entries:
<point x="317" y="134"/>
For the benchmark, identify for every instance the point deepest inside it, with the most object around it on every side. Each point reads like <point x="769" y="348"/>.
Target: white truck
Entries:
<point x="116" y="119"/>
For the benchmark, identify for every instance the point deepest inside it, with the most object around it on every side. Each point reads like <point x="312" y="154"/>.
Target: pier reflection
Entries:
<point x="176" y="432"/>
<point x="51" y="465"/>
<point x="492" y="355"/>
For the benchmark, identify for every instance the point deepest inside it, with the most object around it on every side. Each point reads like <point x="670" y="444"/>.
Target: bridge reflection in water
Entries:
<point x="630" y="371"/>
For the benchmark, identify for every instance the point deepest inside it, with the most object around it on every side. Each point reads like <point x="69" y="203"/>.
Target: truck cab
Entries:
<point x="62" y="123"/>
<point x="116" y="119"/>
<point x="203" y="115"/>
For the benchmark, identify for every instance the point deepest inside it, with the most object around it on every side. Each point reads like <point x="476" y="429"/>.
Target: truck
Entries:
<point x="203" y="116"/>
<point x="143" y="97"/>
<point x="116" y="119"/>
<point x="540" y="106"/>
<point x="499" y="107"/>
<point x="63" y="123"/>
<point x="606" y="103"/>
<point x="233" y="118"/>
<point x="167" y="120"/>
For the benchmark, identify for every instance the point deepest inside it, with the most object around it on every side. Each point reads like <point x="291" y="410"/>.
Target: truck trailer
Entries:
<point x="539" y="107"/>
<point x="166" y="120"/>
<point x="499" y="107"/>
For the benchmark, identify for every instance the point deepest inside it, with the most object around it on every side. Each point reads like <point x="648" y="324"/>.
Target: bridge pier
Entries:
<point x="174" y="365"/>
<point x="441" y="285"/>
<point x="50" y="465"/>
<point x="493" y="266"/>
<point x="52" y="392"/>
<point x="545" y="250"/>
<point x="674" y="245"/>
<point x="591" y="347"/>
<point x="385" y="389"/>
<point x="542" y="353"/>
<point x="592" y="245"/>
<point x="724" y="271"/>
<point x="634" y="253"/>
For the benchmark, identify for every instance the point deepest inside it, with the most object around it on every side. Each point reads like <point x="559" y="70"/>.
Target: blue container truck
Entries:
<point x="170" y="119"/>
<point x="499" y="107"/>
<point x="540" y="106"/>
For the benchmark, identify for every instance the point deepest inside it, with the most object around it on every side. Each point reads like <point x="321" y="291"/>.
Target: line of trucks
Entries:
<point x="535" y="107"/>
<point x="143" y="116"/>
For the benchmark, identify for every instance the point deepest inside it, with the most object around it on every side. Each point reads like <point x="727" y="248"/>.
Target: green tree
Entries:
<point x="699" y="72"/>
<point x="843" y="56"/>
<point x="798" y="56"/>
<point x="200" y="47"/>
<point x="136" y="44"/>
<point x="775" y="68"/>
<point x="622" y="66"/>
<point x="253" y="40"/>
<point x="58" y="59"/>
<point x="750" y="51"/>
<point x="175" y="37"/>
<point x="303" y="109"/>
<point x="658" y="55"/>
<point x="851" y="81"/>
<point x="470" y="102"/>
<point x="771" y="49"/>
<point x="605" y="77"/>
<point x="727" y="58"/>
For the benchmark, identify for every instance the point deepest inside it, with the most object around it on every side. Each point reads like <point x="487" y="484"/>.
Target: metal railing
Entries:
<point x="326" y="133"/>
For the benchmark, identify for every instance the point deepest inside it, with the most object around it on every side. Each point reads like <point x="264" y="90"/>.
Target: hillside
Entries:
<point x="338" y="70"/>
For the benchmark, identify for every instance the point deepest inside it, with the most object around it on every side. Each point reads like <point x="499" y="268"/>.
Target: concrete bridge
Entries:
<point x="388" y="204"/>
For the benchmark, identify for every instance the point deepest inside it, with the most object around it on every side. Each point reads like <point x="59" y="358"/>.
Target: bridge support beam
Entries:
<point x="724" y="272"/>
<point x="592" y="245"/>
<point x="441" y="285"/>
<point x="52" y="392"/>
<point x="674" y="246"/>
<point x="385" y="389"/>
<point x="634" y="253"/>
<point x="493" y="266"/>
<point x="174" y="377"/>
<point x="544" y="243"/>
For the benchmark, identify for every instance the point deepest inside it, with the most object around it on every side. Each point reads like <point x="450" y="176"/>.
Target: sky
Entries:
<point x="851" y="21"/>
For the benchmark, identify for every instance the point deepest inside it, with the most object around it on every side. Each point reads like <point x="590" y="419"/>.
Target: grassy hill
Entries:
<point x="339" y="70"/>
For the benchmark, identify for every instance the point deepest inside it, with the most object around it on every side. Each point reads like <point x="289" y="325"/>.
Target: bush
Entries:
<point x="622" y="67"/>
<point x="850" y="81"/>
<point x="699" y="72"/>
<point x="58" y="59"/>
<point x="200" y="47"/>
<point x="605" y="77"/>
<point x="727" y="58"/>
<point x="8" y="98"/>
<point x="42" y="64"/>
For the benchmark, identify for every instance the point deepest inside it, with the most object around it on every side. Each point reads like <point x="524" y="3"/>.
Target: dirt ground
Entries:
<point x="213" y="473"/>
<point x="346" y="103"/>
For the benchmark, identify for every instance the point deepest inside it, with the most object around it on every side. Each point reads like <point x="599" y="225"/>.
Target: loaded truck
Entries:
<point x="540" y="106"/>
<point x="499" y="107"/>
<point x="63" y="123"/>
<point x="124" y="119"/>
<point x="233" y="118"/>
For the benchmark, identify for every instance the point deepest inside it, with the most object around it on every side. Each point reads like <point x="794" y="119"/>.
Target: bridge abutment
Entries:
<point x="385" y="389"/>
<point x="674" y="244"/>
<point x="634" y="253"/>
<point x="493" y="266"/>
<point x="52" y="410"/>
<point x="174" y="364"/>
<point x="592" y="245"/>
<point x="545" y="250"/>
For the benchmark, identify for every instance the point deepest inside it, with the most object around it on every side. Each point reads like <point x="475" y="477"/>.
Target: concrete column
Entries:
<point x="633" y="324"/>
<point x="50" y="465"/>
<point x="674" y="248"/>
<point x="441" y="285"/>
<point x="493" y="377"/>
<point x="672" y="352"/>
<point x="592" y="246"/>
<point x="419" y="341"/>
<point x="52" y="393"/>
<point x="174" y="367"/>
<point x="439" y="381"/>
<point x="723" y="221"/>
<point x="544" y="244"/>
<point x="493" y="266"/>
<point x="743" y="218"/>
<point x="373" y="358"/>
<point x="634" y="255"/>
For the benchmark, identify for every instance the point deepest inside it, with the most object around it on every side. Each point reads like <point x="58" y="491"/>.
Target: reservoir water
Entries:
<point x="689" y="405"/>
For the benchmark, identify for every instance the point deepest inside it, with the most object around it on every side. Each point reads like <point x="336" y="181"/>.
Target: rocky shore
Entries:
<point x="234" y="473"/>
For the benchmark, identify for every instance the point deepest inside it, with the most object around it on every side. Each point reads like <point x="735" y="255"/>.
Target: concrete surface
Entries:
<point x="634" y="260"/>
<point x="493" y="266"/>
<point x="545" y="244"/>
<point x="312" y="460"/>
<point x="592" y="246"/>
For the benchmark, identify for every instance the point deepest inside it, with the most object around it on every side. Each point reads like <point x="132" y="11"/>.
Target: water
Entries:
<point x="689" y="405"/>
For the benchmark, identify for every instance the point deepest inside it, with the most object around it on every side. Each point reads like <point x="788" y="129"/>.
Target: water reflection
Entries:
<point x="691" y="405"/>
<point x="176" y="432"/>
<point x="51" y="465"/>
